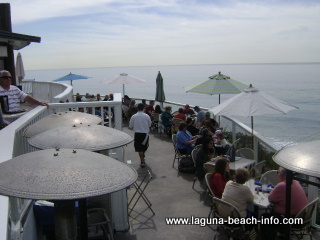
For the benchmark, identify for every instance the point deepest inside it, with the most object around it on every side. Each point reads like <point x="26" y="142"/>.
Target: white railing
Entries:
<point x="13" y="210"/>
<point x="50" y="92"/>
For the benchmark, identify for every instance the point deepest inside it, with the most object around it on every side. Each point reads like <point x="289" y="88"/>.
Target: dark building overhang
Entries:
<point x="17" y="40"/>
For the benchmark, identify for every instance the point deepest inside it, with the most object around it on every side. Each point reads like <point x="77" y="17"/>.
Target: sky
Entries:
<point x="112" y="33"/>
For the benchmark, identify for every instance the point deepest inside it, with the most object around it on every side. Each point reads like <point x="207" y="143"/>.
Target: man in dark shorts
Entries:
<point x="140" y="123"/>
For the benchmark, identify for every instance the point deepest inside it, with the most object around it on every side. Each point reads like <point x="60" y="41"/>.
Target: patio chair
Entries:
<point x="245" y="153"/>
<point x="257" y="170"/>
<point x="155" y="121"/>
<point x="223" y="209"/>
<point x="177" y="154"/>
<point x="210" y="193"/>
<point x="209" y="167"/>
<point x="270" y="177"/>
<point x="194" y="156"/>
<point x="99" y="225"/>
<point x="306" y="213"/>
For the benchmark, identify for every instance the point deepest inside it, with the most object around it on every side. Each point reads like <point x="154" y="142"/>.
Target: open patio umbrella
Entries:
<point x="123" y="79"/>
<point x="252" y="102"/>
<point x="19" y="69"/>
<point x="71" y="77"/>
<point x="160" y="97"/>
<point x="217" y="84"/>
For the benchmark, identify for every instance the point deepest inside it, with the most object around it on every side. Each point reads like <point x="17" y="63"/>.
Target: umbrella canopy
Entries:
<point x="217" y="84"/>
<point x="123" y="79"/>
<point x="71" y="77"/>
<point x="19" y="69"/>
<point x="302" y="158"/>
<point x="61" y="119"/>
<point x="252" y="102"/>
<point x="90" y="137"/>
<point x="160" y="97"/>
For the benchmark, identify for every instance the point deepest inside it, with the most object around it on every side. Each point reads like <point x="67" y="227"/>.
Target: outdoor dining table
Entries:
<point x="239" y="163"/>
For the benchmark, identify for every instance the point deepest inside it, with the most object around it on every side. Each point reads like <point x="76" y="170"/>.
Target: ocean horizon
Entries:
<point x="295" y="83"/>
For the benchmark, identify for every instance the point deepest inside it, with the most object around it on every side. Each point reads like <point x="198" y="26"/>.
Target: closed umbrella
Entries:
<point x="123" y="79"/>
<point x="252" y="102"/>
<point x="160" y="97"/>
<point x="71" y="77"/>
<point x="217" y="84"/>
<point x="19" y="69"/>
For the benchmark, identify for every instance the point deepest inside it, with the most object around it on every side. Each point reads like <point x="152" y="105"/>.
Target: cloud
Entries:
<point x="123" y="32"/>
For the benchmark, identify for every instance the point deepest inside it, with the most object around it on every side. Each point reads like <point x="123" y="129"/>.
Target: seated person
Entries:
<point x="206" y="124"/>
<point x="149" y="108"/>
<point x="158" y="109"/>
<point x="238" y="194"/>
<point x="15" y="95"/>
<point x="132" y="109"/>
<point x="220" y="177"/>
<point x="278" y="198"/>
<point x="204" y="155"/>
<point x="220" y="140"/>
<point x="126" y="100"/>
<point x="188" y="111"/>
<point x="213" y="122"/>
<point x="180" y="115"/>
<point x="191" y="128"/>
<point x="166" y="117"/>
<point x="185" y="141"/>
<point x="201" y="115"/>
<point x="78" y="97"/>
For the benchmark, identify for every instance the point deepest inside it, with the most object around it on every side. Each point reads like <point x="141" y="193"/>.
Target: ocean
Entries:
<point x="297" y="84"/>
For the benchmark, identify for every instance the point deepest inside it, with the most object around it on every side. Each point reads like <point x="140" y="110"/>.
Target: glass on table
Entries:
<point x="264" y="188"/>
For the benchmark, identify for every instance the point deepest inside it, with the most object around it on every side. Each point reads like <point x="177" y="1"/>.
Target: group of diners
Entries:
<point x="238" y="193"/>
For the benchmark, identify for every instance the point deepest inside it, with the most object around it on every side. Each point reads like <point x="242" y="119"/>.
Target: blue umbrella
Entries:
<point x="160" y="97"/>
<point x="71" y="77"/>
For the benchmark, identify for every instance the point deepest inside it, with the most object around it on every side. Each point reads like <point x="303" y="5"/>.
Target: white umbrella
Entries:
<point x="19" y="69"/>
<point x="252" y="102"/>
<point x="123" y="79"/>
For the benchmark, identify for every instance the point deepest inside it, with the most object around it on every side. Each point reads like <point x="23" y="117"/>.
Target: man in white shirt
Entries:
<point x="15" y="95"/>
<point x="140" y="123"/>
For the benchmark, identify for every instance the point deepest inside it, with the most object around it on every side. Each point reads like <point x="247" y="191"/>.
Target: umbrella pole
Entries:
<point x="252" y="132"/>
<point x="123" y="89"/>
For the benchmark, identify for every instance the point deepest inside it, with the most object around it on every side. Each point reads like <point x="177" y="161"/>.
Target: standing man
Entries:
<point x="140" y="123"/>
<point x="201" y="115"/>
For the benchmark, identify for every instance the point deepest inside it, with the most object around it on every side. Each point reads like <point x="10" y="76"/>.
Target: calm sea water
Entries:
<point x="297" y="84"/>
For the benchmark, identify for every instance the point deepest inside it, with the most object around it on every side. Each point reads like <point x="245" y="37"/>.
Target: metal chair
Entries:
<point x="99" y="225"/>
<point x="177" y="154"/>
<point x="257" y="170"/>
<point x="210" y="193"/>
<point x="245" y="153"/>
<point x="194" y="156"/>
<point x="306" y="213"/>
<point x="209" y="167"/>
<point x="155" y="121"/>
<point x="270" y="177"/>
<point x="223" y="210"/>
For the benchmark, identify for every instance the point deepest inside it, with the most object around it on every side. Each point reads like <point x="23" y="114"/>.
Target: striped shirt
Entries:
<point x="15" y="95"/>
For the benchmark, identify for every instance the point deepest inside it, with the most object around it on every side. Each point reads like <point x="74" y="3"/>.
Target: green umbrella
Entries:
<point x="160" y="97"/>
<point x="218" y="84"/>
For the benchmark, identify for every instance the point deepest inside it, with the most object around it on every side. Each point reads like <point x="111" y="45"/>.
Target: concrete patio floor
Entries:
<point x="170" y="193"/>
